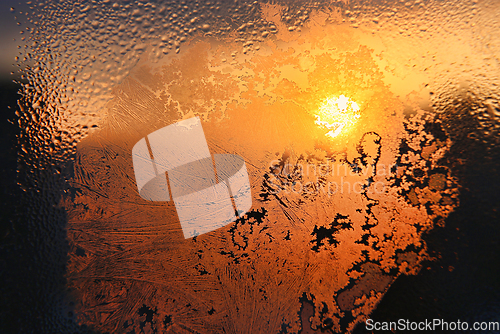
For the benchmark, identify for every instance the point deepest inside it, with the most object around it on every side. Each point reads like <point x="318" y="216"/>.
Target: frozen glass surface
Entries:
<point x="251" y="166"/>
<point x="233" y="171"/>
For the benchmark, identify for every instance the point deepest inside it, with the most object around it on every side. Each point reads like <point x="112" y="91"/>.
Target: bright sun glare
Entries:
<point x="337" y="114"/>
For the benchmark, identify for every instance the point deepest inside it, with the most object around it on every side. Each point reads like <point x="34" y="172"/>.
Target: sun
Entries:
<point x="337" y="114"/>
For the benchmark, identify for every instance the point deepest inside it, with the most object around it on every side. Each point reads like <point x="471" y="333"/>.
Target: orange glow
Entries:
<point x="337" y="115"/>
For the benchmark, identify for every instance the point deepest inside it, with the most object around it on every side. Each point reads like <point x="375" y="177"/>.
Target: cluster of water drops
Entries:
<point x="76" y="51"/>
<point x="455" y="43"/>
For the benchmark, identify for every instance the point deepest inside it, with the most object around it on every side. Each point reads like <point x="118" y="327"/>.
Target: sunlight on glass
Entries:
<point x="337" y="114"/>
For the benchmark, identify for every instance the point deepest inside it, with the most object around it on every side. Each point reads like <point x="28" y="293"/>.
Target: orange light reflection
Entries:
<point x="337" y="114"/>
